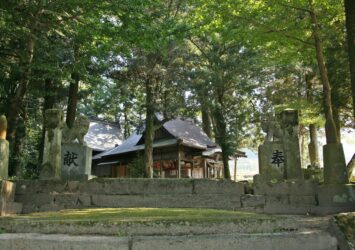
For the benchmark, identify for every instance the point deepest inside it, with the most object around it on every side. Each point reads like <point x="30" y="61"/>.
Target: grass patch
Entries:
<point x="132" y="215"/>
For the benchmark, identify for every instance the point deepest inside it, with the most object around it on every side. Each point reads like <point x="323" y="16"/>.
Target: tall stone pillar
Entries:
<point x="4" y="149"/>
<point x="290" y="140"/>
<point x="51" y="165"/>
<point x="334" y="164"/>
<point x="76" y="156"/>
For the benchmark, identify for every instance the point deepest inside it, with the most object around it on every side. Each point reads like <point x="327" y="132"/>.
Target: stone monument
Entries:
<point x="279" y="155"/>
<point x="51" y="165"/>
<point x="335" y="171"/>
<point x="270" y="153"/>
<point x="76" y="156"/>
<point x="4" y="149"/>
<point x="290" y="141"/>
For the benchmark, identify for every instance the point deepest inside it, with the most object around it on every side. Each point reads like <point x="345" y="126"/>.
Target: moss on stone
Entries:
<point x="346" y="223"/>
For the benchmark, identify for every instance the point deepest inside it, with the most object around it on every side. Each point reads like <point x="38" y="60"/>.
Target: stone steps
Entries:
<point x="289" y="241"/>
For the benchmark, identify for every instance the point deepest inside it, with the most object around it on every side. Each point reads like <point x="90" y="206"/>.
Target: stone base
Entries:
<point x="76" y="162"/>
<point x="266" y="167"/>
<point x="9" y="208"/>
<point x="290" y="187"/>
<point x="334" y="164"/>
<point x="252" y="201"/>
<point x="337" y="196"/>
<point x="7" y="191"/>
<point x="4" y="159"/>
<point x="50" y="169"/>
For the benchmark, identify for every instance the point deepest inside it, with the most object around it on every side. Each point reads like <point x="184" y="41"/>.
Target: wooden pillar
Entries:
<point x="179" y="163"/>
<point x="192" y="168"/>
<point x="161" y="164"/>
<point x="204" y="169"/>
<point x="161" y="169"/>
<point x="235" y="168"/>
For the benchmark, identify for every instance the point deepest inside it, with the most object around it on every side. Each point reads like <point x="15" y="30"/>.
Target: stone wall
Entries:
<point x="288" y="197"/>
<point x="45" y="195"/>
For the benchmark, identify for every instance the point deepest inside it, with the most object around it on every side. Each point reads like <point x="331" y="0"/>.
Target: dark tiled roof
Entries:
<point x="183" y="131"/>
<point x="186" y="130"/>
<point x="128" y="145"/>
<point x="102" y="135"/>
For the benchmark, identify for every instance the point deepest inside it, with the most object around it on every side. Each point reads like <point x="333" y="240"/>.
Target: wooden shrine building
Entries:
<point x="180" y="150"/>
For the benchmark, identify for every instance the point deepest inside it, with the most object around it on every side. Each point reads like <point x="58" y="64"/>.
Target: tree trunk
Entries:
<point x="350" y="27"/>
<point x="72" y="100"/>
<point x="313" y="146"/>
<point x="149" y="128"/>
<point x="16" y="161"/>
<point x="301" y="135"/>
<point x="206" y="121"/>
<point x="126" y="130"/>
<point x="221" y="134"/>
<point x="17" y="101"/>
<point x="313" y="142"/>
<point x="336" y="116"/>
<point x="330" y="128"/>
<point x="50" y="98"/>
<point x="73" y="91"/>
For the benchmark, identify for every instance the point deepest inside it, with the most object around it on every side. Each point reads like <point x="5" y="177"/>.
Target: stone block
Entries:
<point x="168" y="186"/>
<point x="40" y="186"/>
<point x="102" y="200"/>
<point x="281" y="199"/>
<point x="268" y="167"/>
<point x="289" y="241"/>
<point x="4" y="159"/>
<point x="292" y="187"/>
<point x="334" y="164"/>
<point x="75" y="161"/>
<point x="289" y="125"/>
<point x="62" y="242"/>
<point x="72" y="186"/>
<point x="163" y="201"/>
<point x="9" y="208"/>
<point x="137" y="186"/>
<point x="255" y="201"/>
<point x="302" y="200"/>
<point x="325" y="210"/>
<point x="337" y="195"/>
<point x="7" y="191"/>
<point x="29" y="208"/>
<point x="226" y="187"/>
<point x="125" y="186"/>
<point x="277" y="208"/>
<point x="72" y="200"/>
<point x="94" y="186"/>
<point x="38" y="199"/>
<point x="50" y="208"/>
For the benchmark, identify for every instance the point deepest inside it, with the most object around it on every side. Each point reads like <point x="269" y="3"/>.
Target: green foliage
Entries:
<point x="136" y="169"/>
<point x="236" y="59"/>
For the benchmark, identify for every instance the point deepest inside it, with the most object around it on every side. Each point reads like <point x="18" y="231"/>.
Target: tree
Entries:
<point x="350" y="27"/>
